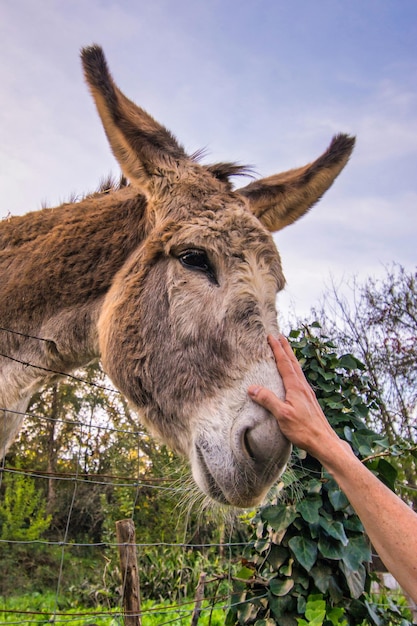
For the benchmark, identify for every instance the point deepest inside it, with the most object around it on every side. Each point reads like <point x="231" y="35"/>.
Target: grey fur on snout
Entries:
<point x="261" y="440"/>
<point x="238" y="463"/>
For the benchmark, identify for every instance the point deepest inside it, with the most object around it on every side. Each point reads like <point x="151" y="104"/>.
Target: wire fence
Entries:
<point x="178" y="612"/>
<point x="174" y="612"/>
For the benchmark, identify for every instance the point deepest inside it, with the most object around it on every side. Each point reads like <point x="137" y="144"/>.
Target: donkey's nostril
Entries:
<point x="246" y="447"/>
<point x="263" y="443"/>
<point x="254" y="444"/>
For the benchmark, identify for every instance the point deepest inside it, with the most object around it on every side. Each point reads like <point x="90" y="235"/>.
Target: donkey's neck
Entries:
<point x="56" y="265"/>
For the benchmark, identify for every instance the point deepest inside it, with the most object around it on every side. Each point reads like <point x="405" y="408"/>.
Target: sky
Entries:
<point x="262" y="82"/>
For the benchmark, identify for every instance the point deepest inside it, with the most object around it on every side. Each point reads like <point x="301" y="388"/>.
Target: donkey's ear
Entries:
<point x="281" y="199"/>
<point x="142" y="147"/>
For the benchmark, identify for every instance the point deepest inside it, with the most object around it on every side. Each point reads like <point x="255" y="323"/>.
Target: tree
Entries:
<point x="378" y="324"/>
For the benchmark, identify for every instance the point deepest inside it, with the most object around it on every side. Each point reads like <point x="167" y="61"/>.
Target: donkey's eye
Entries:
<point x="198" y="260"/>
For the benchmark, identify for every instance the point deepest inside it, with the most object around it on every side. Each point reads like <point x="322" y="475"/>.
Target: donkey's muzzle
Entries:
<point x="242" y="474"/>
<point x="240" y="451"/>
<point x="260" y="443"/>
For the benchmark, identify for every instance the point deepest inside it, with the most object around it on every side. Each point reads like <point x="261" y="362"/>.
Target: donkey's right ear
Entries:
<point x="142" y="147"/>
<point x="281" y="199"/>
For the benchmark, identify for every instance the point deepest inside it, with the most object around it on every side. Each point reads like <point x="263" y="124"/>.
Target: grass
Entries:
<point x="38" y="608"/>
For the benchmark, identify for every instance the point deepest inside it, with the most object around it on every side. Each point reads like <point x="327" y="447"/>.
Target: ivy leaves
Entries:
<point x="309" y="551"/>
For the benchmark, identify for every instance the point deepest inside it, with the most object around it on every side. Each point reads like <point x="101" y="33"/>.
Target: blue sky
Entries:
<point x="261" y="82"/>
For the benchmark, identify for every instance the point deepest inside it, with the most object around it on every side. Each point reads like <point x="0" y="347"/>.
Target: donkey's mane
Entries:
<point x="108" y="184"/>
<point x="223" y="171"/>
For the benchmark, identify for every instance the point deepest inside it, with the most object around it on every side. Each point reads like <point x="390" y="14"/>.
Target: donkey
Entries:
<point x="171" y="281"/>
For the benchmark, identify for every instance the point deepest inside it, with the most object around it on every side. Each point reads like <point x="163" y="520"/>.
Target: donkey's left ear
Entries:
<point x="281" y="199"/>
<point x="142" y="146"/>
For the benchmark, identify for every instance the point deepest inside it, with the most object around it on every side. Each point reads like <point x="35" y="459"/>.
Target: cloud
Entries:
<point x="262" y="84"/>
<point x="346" y="237"/>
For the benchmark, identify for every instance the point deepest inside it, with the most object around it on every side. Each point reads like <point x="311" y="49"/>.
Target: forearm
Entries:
<point x="390" y="524"/>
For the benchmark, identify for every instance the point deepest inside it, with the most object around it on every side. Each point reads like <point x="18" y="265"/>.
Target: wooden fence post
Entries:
<point x="126" y="538"/>
<point x="199" y="596"/>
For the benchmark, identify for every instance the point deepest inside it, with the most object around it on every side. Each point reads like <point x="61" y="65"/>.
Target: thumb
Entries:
<point x="267" y="399"/>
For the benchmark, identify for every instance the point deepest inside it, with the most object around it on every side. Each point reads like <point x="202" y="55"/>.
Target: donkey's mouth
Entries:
<point x="211" y="488"/>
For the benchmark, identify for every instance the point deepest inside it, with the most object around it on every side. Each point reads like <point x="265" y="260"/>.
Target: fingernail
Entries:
<point x="253" y="391"/>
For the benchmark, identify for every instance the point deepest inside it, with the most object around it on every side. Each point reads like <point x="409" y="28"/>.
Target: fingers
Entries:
<point x="281" y="349"/>
<point x="287" y="364"/>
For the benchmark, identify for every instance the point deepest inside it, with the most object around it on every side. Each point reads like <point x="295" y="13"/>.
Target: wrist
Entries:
<point x="334" y="454"/>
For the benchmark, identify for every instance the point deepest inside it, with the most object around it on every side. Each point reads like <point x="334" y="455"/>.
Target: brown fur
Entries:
<point x="106" y="277"/>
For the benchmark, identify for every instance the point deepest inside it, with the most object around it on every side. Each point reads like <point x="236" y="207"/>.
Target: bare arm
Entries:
<point x="390" y="524"/>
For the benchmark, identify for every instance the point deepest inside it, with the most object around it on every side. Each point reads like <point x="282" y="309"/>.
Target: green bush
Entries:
<point x="308" y="546"/>
<point x="22" y="509"/>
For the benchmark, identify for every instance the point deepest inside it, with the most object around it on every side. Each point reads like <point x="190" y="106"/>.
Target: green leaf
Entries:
<point x="354" y="524"/>
<point x="348" y="433"/>
<point x="355" y="579"/>
<point x="330" y="548"/>
<point x="325" y="386"/>
<point x="281" y="606"/>
<point x="357" y="551"/>
<point x="315" y="610"/>
<point x="247" y="612"/>
<point x="309" y="508"/>
<point x="337" y="498"/>
<point x="301" y="577"/>
<point x="334" y="529"/>
<point x="314" y="486"/>
<point x="373" y="615"/>
<point x="321" y="575"/>
<point x="335" y="592"/>
<point x="279" y="516"/>
<point x="317" y="620"/>
<point x="335" y="616"/>
<point x="348" y="362"/>
<point x="301" y="604"/>
<point x="314" y="530"/>
<point x="286" y="570"/>
<point x="362" y="441"/>
<point x="277" y="556"/>
<point x="281" y="587"/>
<point x="245" y="573"/>
<point x="262" y="544"/>
<point x="231" y="617"/>
<point x="305" y="551"/>
<point x="387" y="473"/>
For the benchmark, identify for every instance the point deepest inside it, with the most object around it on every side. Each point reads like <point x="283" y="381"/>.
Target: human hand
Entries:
<point x="299" y="416"/>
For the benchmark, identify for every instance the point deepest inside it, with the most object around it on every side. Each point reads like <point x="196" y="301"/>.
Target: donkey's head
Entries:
<point x="183" y="329"/>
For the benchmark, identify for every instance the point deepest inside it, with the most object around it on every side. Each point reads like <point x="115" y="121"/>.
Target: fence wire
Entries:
<point x="169" y="614"/>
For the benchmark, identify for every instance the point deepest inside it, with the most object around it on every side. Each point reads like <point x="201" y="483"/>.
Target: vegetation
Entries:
<point x="309" y="554"/>
<point x="42" y="608"/>
<point x="83" y="462"/>
<point x="378" y="323"/>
